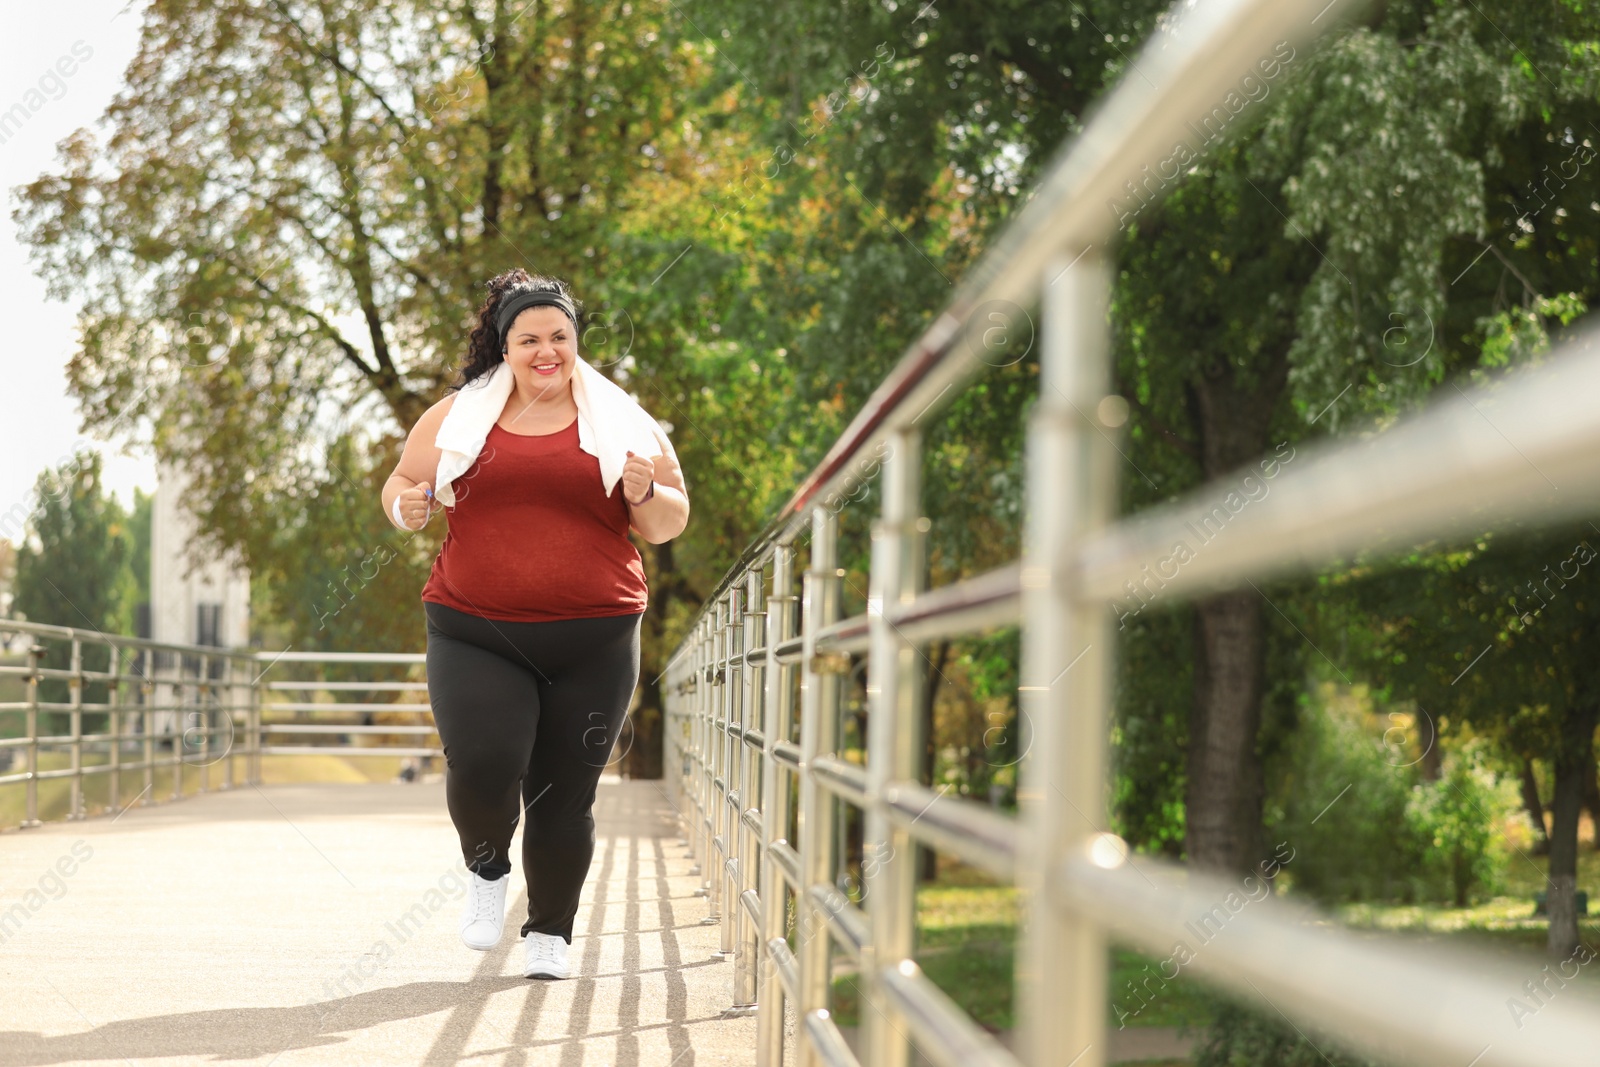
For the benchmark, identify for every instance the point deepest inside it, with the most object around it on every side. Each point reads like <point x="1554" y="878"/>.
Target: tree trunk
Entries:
<point x="1574" y="763"/>
<point x="1535" y="809"/>
<point x="1431" y="761"/>
<point x="1224" y="789"/>
<point x="1223" y="800"/>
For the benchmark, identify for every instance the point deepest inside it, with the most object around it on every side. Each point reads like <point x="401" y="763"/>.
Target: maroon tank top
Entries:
<point x="533" y="537"/>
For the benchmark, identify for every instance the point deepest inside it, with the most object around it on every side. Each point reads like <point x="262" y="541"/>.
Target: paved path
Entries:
<point x="316" y="924"/>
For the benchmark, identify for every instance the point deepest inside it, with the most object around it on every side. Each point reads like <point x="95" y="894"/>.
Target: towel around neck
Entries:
<point x="610" y="425"/>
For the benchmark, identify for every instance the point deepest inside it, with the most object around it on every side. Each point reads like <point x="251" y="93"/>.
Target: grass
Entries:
<point x="967" y="928"/>
<point x="966" y="937"/>
<point x="55" y="795"/>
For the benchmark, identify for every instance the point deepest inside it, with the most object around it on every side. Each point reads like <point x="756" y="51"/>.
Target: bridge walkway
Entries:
<point x="298" y="925"/>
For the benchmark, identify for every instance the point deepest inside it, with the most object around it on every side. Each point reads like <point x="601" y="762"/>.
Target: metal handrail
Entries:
<point x="162" y="691"/>
<point x="731" y="693"/>
<point x="147" y="695"/>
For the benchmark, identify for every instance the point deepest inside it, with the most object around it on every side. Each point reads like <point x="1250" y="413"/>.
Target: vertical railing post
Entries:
<point x="727" y="803"/>
<point x="702" y="766"/>
<point x="257" y="689"/>
<point x="819" y="721"/>
<point x="1065" y="658"/>
<point x="75" y="716"/>
<point x="114" y="727"/>
<point x="716" y="749"/>
<point x="203" y="716"/>
<point x="31" y="801"/>
<point x="147" y="689"/>
<point x="776" y="715"/>
<point x="751" y="857"/>
<point x="230" y="686"/>
<point x="889" y="868"/>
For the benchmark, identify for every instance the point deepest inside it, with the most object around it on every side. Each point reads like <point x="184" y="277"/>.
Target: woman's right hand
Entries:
<point x="416" y="505"/>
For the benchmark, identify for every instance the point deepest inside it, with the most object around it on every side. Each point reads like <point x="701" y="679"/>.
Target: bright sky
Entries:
<point x="40" y="425"/>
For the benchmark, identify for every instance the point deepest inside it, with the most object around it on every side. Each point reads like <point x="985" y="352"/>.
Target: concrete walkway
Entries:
<point x="316" y="924"/>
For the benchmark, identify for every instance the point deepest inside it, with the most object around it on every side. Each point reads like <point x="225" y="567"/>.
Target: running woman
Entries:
<point x="532" y="610"/>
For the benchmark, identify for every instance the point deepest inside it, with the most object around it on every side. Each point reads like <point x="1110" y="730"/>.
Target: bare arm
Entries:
<point x="414" y="474"/>
<point x="666" y="514"/>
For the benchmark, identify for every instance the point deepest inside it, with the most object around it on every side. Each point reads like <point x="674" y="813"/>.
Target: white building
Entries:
<point x="202" y="601"/>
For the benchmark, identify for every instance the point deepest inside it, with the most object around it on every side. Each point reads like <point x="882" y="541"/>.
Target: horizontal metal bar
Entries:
<point x="1478" y="461"/>
<point x="827" y="1040"/>
<point x="342" y="657"/>
<point x="57" y="742"/>
<point x="787" y="752"/>
<point x="848" y="780"/>
<point x="1376" y="993"/>
<point x="331" y="686"/>
<point x="986" y="600"/>
<point x="756" y="657"/>
<point x="942" y="1032"/>
<point x="849" y="924"/>
<point x="339" y="750"/>
<point x="308" y="728"/>
<point x="341" y="706"/>
<point x="788" y="969"/>
<point x="846" y="635"/>
<point x="975" y="832"/>
<point x="105" y="768"/>
<point x="755" y="738"/>
<point x="791" y="650"/>
<point x="99" y="639"/>
<point x="751" y="817"/>
<point x="752" y="905"/>
<point x="787" y="860"/>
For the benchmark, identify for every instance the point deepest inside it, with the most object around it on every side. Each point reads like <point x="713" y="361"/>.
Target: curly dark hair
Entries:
<point x="483" y="349"/>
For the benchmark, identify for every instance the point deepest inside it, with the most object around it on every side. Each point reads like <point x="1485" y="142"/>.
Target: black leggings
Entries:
<point x="537" y="702"/>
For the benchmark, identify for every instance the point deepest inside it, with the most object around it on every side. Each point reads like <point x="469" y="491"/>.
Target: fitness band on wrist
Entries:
<point x="647" y="496"/>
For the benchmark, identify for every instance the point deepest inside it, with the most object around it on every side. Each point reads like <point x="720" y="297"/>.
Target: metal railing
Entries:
<point x="184" y="709"/>
<point x="730" y="687"/>
<point x="199" y="699"/>
<point x="418" y="713"/>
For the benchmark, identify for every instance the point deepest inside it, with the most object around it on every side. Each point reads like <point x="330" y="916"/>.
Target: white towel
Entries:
<point x="610" y="425"/>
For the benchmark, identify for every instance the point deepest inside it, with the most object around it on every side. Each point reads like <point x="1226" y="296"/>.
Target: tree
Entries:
<point x="280" y="241"/>
<point x="72" y="568"/>
<point x="1285" y="285"/>
<point x="1499" y="633"/>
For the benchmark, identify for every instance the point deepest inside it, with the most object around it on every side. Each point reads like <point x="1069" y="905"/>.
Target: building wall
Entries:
<point x="175" y="595"/>
<point x="185" y="597"/>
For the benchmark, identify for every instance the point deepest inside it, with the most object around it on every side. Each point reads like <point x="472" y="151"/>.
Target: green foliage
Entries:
<point x="1460" y="819"/>
<point x="1241" y="1037"/>
<point x="1344" y="813"/>
<point x="1366" y="825"/>
<point x="73" y="567"/>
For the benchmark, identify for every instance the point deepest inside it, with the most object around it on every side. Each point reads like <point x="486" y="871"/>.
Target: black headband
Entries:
<point x="522" y="299"/>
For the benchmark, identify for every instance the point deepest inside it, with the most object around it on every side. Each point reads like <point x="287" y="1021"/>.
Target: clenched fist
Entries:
<point x="638" y="475"/>
<point x="415" y="506"/>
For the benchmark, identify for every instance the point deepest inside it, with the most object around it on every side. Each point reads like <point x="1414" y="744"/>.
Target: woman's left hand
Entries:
<point x="637" y="475"/>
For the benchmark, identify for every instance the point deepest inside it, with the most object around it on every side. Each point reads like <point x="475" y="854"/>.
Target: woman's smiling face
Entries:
<point x="542" y="348"/>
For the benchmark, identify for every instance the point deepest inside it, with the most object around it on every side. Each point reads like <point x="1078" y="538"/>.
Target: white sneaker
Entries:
<point x="484" y="912"/>
<point x="546" y="956"/>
